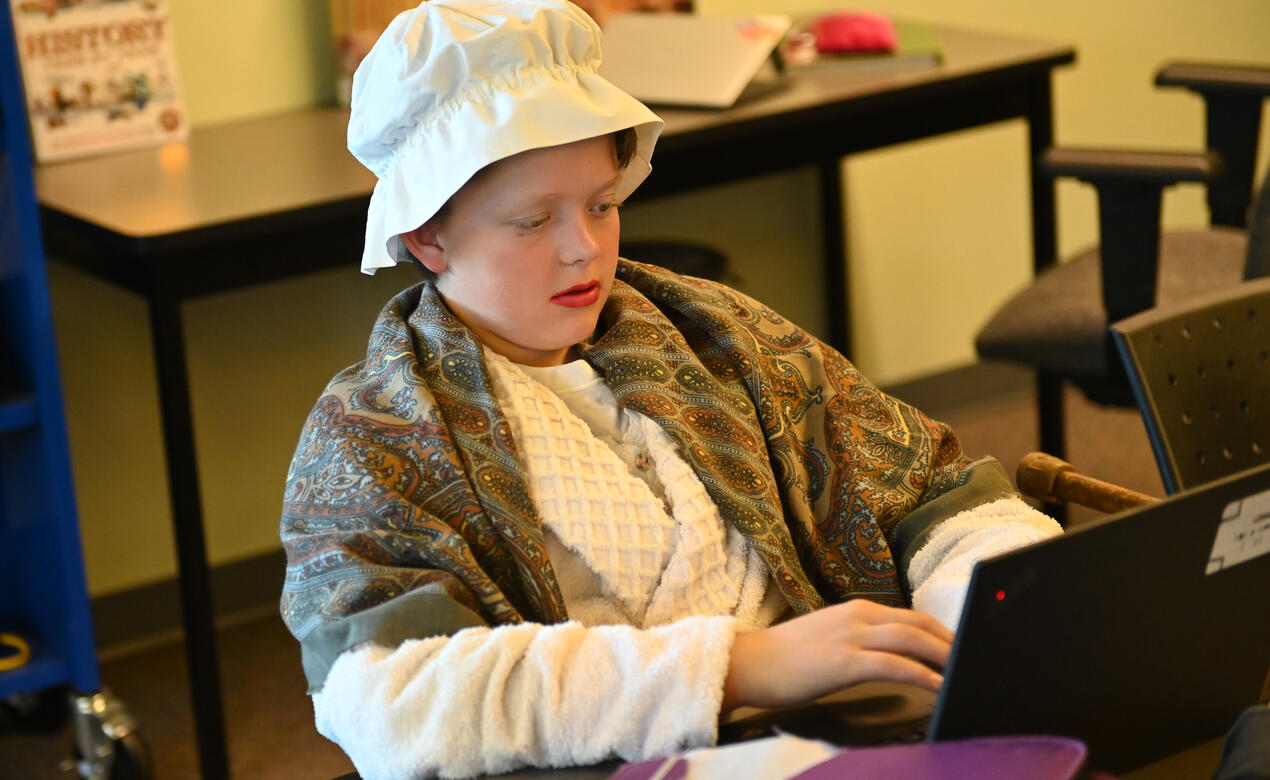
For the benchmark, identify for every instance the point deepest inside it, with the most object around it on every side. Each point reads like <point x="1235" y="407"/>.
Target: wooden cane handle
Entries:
<point x="1055" y="480"/>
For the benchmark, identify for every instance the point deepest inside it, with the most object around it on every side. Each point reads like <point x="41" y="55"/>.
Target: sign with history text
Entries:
<point x="100" y="75"/>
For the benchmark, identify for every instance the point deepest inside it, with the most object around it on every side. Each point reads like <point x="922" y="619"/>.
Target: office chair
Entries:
<point x="1058" y="325"/>
<point x="1200" y="372"/>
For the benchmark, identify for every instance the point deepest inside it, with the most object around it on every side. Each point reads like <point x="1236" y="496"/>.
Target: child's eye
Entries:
<point x="605" y="208"/>
<point x="531" y="224"/>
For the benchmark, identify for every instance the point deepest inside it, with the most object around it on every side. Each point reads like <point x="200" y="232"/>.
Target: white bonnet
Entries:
<point x="455" y="85"/>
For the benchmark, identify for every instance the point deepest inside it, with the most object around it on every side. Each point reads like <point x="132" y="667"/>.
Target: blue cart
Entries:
<point x="46" y="636"/>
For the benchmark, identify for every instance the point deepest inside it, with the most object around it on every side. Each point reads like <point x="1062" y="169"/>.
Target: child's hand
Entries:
<point x="817" y="654"/>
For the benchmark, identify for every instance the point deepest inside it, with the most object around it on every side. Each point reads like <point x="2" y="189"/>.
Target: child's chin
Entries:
<point x="578" y="332"/>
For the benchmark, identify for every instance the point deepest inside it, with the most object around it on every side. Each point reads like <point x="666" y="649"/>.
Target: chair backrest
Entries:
<point x="1200" y="372"/>
<point x="1258" y="264"/>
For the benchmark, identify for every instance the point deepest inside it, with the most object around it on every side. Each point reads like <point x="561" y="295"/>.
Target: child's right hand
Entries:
<point x="825" y="651"/>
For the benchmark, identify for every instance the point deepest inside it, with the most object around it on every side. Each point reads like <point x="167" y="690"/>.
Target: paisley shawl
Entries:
<point x="406" y="514"/>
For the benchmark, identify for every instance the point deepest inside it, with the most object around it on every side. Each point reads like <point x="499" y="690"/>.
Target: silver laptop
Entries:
<point x="677" y="59"/>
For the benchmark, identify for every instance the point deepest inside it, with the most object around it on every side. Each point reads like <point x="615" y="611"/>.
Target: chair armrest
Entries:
<point x="1206" y="77"/>
<point x="1148" y="167"/>
<point x="1232" y="95"/>
<point x="1130" y="185"/>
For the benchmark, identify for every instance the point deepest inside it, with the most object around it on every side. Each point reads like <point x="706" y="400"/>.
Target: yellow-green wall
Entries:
<point x="938" y="237"/>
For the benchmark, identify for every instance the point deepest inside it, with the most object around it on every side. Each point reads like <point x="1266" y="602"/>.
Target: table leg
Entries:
<point x="187" y="520"/>
<point x="1051" y="419"/>
<point x="1049" y="388"/>
<point x="1040" y="125"/>
<point x="834" y="252"/>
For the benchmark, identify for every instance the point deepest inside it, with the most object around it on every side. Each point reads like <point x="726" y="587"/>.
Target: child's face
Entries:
<point x="525" y="253"/>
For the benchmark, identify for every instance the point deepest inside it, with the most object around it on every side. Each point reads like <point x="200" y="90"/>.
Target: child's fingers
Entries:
<point x="877" y="614"/>
<point x="878" y="665"/>
<point x="904" y="639"/>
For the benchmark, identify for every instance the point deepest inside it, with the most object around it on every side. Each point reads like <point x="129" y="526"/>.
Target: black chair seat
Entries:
<point x="1058" y="323"/>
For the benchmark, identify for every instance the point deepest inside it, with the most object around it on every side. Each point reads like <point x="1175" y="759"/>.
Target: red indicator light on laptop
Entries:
<point x="1000" y="595"/>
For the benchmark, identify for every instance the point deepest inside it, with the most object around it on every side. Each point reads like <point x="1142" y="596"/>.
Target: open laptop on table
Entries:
<point x="678" y="59"/>
<point x="1141" y="634"/>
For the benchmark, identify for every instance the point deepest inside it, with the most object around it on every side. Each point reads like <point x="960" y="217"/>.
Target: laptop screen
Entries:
<point x="1142" y="633"/>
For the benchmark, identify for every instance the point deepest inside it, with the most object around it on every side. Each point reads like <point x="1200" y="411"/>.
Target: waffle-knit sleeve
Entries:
<point x="488" y="700"/>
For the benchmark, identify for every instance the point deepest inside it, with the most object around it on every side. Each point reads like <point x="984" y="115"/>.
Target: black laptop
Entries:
<point x="1140" y="634"/>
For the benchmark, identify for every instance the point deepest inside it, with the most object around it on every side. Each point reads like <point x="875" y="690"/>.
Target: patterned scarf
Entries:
<point x="406" y="479"/>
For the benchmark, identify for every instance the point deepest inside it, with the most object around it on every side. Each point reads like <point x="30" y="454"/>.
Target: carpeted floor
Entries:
<point x="269" y="719"/>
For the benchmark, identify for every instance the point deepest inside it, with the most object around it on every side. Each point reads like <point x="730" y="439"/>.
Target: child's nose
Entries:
<point x="582" y="244"/>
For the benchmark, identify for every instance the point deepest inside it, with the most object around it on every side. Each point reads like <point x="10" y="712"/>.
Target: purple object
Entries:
<point x="647" y="769"/>
<point x="985" y="758"/>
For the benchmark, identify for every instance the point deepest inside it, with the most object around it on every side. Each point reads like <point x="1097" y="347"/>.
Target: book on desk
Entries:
<point x="99" y="77"/>
<point x="912" y="45"/>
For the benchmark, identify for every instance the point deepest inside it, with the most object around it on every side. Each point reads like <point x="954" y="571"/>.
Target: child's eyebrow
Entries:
<point x="611" y="183"/>
<point x="520" y="200"/>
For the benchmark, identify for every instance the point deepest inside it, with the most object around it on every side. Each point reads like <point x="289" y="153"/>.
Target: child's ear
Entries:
<point x="425" y="246"/>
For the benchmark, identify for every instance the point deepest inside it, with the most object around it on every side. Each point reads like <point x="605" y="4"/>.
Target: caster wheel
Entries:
<point x="106" y="743"/>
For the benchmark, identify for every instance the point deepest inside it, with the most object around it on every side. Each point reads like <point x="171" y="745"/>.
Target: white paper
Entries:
<point x="1244" y="533"/>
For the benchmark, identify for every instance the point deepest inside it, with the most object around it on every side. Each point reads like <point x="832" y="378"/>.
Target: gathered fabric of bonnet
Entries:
<point x="493" y="564"/>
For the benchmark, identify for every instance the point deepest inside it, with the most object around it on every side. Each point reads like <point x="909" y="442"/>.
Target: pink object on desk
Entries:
<point x="855" y="31"/>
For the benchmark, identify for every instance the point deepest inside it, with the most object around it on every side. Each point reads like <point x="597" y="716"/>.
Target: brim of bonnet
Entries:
<point x="531" y="108"/>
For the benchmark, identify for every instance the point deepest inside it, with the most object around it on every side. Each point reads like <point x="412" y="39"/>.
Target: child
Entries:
<point x="572" y="507"/>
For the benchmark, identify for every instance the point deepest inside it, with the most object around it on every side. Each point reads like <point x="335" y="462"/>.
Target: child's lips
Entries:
<point x="578" y="295"/>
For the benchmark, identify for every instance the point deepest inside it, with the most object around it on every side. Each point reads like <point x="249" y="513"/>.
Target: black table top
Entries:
<point x="232" y="174"/>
